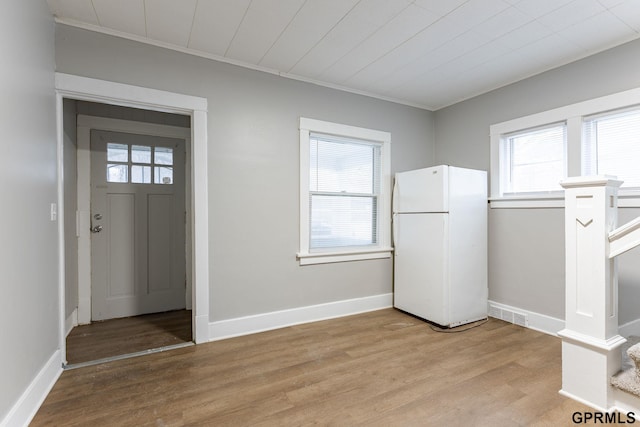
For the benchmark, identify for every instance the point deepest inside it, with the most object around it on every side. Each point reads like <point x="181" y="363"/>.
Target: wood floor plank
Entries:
<point x="379" y="368"/>
<point x="116" y="337"/>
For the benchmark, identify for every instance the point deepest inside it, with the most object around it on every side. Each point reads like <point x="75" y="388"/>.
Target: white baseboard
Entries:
<point x="551" y="325"/>
<point x="584" y="402"/>
<point x="71" y="322"/>
<point x="626" y="402"/>
<point x="631" y="328"/>
<point x="279" y="319"/>
<point x="202" y="328"/>
<point x="27" y="406"/>
<point x="84" y="310"/>
<point x="536" y="321"/>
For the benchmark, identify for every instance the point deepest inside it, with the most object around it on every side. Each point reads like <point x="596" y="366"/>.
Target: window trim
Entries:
<point x="585" y="141"/>
<point x="506" y="159"/>
<point x="573" y="115"/>
<point x="383" y="249"/>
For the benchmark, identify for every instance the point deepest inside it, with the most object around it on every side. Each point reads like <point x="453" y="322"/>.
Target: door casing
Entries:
<point x="101" y="91"/>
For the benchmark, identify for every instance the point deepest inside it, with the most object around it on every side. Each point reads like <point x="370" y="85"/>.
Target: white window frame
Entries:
<point x="587" y="167"/>
<point x="573" y="115"/>
<point x="383" y="247"/>
<point x="506" y="160"/>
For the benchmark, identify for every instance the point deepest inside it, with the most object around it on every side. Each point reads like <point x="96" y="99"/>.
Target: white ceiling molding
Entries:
<point x="424" y="53"/>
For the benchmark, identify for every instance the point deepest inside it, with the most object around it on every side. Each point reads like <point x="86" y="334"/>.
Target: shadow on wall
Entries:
<point x="628" y="275"/>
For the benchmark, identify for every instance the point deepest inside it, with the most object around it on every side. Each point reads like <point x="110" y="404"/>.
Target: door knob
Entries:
<point x="96" y="229"/>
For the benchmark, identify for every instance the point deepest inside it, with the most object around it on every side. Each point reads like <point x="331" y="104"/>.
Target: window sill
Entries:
<point x="528" y="201"/>
<point x="331" y="257"/>
<point x="626" y="199"/>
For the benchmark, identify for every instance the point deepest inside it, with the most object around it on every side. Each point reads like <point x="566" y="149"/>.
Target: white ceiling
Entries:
<point x="426" y="53"/>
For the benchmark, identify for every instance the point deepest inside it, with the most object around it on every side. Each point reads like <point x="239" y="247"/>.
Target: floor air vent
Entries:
<point x="519" y="319"/>
<point x="495" y="312"/>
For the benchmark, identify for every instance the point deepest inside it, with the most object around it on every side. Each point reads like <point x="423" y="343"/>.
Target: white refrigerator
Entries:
<point x="440" y="241"/>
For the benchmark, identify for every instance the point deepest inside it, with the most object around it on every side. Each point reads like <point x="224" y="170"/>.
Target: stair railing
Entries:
<point x="590" y="340"/>
<point x="624" y="238"/>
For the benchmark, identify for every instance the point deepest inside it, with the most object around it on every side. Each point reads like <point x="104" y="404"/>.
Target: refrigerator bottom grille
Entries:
<point x="450" y="325"/>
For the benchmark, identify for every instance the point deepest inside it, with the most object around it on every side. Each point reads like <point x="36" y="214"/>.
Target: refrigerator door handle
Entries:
<point x="394" y="232"/>
<point x="394" y="196"/>
<point x="394" y="215"/>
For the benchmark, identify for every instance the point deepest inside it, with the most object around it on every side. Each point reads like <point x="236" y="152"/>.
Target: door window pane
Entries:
<point x="163" y="175"/>
<point x="117" y="152"/>
<point x="140" y="154"/>
<point x="140" y="174"/>
<point x="163" y="156"/>
<point x="117" y="173"/>
<point x="121" y="165"/>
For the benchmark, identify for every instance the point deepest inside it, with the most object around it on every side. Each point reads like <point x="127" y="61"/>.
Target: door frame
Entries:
<point x="106" y="92"/>
<point x="84" y="125"/>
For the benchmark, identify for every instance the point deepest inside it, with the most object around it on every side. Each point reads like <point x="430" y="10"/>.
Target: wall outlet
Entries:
<point x="54" y="212"/>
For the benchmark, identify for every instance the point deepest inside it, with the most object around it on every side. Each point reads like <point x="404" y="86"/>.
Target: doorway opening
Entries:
<point x="135" y="293"/>
<point x="120" y="338"/>
<point x="166" y="132"/>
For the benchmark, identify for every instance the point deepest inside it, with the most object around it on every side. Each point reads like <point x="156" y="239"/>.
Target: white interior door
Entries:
<point x="137" y="223"/>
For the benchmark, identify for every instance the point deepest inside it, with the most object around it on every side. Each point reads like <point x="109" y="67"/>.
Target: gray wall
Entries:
<point x="629" y="275"/>
<point x="131" y="114"/>
<point x="70" y="181"/>
<point x="253" y="167"/>
<point x="526" y="247"/>
<point x="28" y="239"/>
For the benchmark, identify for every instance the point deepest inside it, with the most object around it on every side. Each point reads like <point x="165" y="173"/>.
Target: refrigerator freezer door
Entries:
<point x="420" y="266"/>
<point x="422" y="190"/>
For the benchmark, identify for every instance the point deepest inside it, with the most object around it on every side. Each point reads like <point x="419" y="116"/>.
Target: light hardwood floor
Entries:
<point x="116" y="337"/>
<point x="382" y="368"/>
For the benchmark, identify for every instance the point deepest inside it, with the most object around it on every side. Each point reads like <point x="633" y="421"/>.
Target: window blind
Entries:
<point x="344" y="178"/>
<point x="535" y="159"/>
<point x="611" y="146"/>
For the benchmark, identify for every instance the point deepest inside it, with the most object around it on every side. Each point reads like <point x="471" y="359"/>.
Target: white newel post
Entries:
<point x="590" y="340"/>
